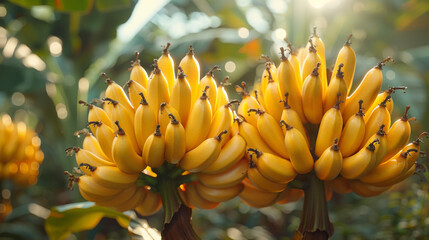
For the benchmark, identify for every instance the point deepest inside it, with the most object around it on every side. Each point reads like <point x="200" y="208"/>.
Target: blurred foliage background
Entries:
<point x="52" y="54"/>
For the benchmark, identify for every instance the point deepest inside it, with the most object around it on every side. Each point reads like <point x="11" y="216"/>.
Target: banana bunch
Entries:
<point x="298" y="120"/>
<point x="20" y="153"/>
<point x="160" y="127"/>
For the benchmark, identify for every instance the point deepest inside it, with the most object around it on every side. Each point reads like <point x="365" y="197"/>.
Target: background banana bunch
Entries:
<point x="161" y="128"/>
<point x="20" y="154"/>
<point x="302" y="119"/>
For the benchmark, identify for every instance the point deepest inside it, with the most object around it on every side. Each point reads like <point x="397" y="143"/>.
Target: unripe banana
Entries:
<point x="336" y="86"/>
<point x="175" y="141"/>
<point x="196" y="200"/>
<point x="272" y="167"/>
<point x="289" y="84"/>
<point x="134" y="90"/>
<point x="262" y="182"/>
<point x="202" y="156"/>
<point x="165" y="110"/>
<point x="247" y="102"/>
<point x="208" y="80"/>
<point x="299" y="152"/>
<point x="166" y="65"/>
<point x="366" y="91"/>
<point x="347" y="57"/>
<point x="330" y="128"/>
<point x="366" y="190"/>
<point x="138" y="74"/>
<point x="340" y="185"/>
<point x="144" y="122"/>
<point x="181" y="97"/>
<point x="228" y="178"/>
<point x="271" y="132"/>
<point x="328" y="166"/>
<point x="150" y="205"/>
<point x="191" y="67"/>
<point x="222" y="95"/>
<point x="353" y="133"/>
<point x="96" y="114"/>
<point x="154" y="149"/>
<point x="381" y="96"/>
<point x="255" y="197"/>
<point x="116" y="92"/>
<point x="312" y="96"/>
<point x="111" y="176"/>
<point x="292" y="118"/>
<point x="272" y="99"/>
<point x="360" y="163"/>
<point x="218" y="194"/>
<point x="200" y="118"/>
<point x="124" y="156"/>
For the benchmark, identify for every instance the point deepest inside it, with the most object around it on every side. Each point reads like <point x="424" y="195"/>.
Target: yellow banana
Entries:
<point x="360" y="163"/>
<point x="227" y="178"/>
<point x="144" y="122"/>
<point x="272" y="99"/>
<point x="273" y="168"/>
<point x="222" y="95"/>
<point x="166" y="65"/>
<point x="116" y="92"/>
<point x="191" y="68"/>
<point x="196" y="200"/>
<point x="312" y="60"/>
<point x="262" y="182"/>
<point x="231" y="153"/>
<point x="347" y="57"/>
<point x="270" y="69"/>
<point x="398" y="134"/>
<point x="105" y="136"/>
<point x="292" y="118"/>
<point x="247" y="102"/>
<point x="312" y="96"/>
<point x="329" y="165"/>
<point x="138" y="74"/>
<point x="336" y="86"/>
<point x="175" y="141"/>
<point x="271" y="132"/>
<point x="353" y="133"/>
<point x="380" y="114"/>
<point x="290" y="195"/>
<point x="320" y="48"/>
<point x="203" y="155"/>
<point x="340" y="185"/>
<point x="399" y="178"/>
<point x="295" y="63"/>
<point x="181" y="97"/>
<point x="222" y="120"/>
<point x="253" y="138"/>
<point x="120" y="198"/>
<point x="165" y="110"/>
<point x="255" y="197"/>
<point x="124" y="156"/>
<point x="366" y="190"/>
<point x="134" y="90"/>
<point x="209" y="80"/>
<point x="301" y="55"/>
<point x="411" y="159"/>
<point x="367" y="91"/>
<point x="157" y="90"/>
<point x="150" y="204"/>
<point x="91" y="144"/>
<point x="86" y="157"/>
<point x="132" y="202"/>
<point x="289" y="84"/>
<point x="381" y="147"/>
<point x="96" y="114"/>
<point x="381" y="96"/>
<point x="200" y="118"/>
<point x="330" y="128"/>
<point x="218" y="194"/>
<point x="111" y="176"/>
<point x="93" y="189"/>
<point x="299" y="152"/>
<point x="154" y="149"/>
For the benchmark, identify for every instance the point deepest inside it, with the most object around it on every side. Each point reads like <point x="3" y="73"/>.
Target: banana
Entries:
<point x="124" y="156"/>
<point x="222" y="95"/>
<point x="209" y="80"/>
<point x="366" y="190"/>
<point x="272" y="99"/>
<point x="154" y="149"/>
<point x="111" y="176"/>
<point x="347" y="57"/>
<point x="367" y="91"/>
<point x="340" y="185"/>
<point x="218" y="194"/>
<point x="114" y="91"/>
<point x="311" y="61"/>
<point x="121" y="198"/>
<point x="200" y="118"/>
<point x="299" y="152"/>
<point x="175" y="141"/>
<point x="87" y="157"/>
<point x="227" y="178"/>
<point x="295" y="63"/>
<point x="380" y="113"/>
<point x="411" y="159"/>
<point x="93" y="189"/>
<point x="196" y="200"/>
<point x="273" y="168"/>
<point x="181" y="97"/>
<point x="301" y="55"/>
<point x="247" y="102"/>
<point x="96" y="114"/>
<point x="165" y="110"/>
<point x="262" y="182"/>
<point x="144" y="122"/>
<point x="329" y="165"/>
<point x="191" y="67"/>
<point x="132" y="202"/>
<point x="312" y="96"/>
<point x="398" y="134"/>
<point x="231" y="153"/>
<point x="252" y="137"/>
<point x="138" y="74"/>
<point x="381" y="96"/>
<point x="353" y="133"/>
<point x="150" y="204"/>
<point x="289" y="84"/>
<point x="292" y="118"/>
<point x="337" y="85"/>
<point x="320" y="49"/>
<point x="91" y="144"/>
<point x="399" y="178"/>
<point x="270" y="69"/>
<point x="157" y="89"/>
<point x="290" y="195"/>
<point x="271" y="132"/>
<point x="360" y="163"/>
<point x="166" y="65"/>
<point x="381" y="147"/>
<point x="134" y="90"/>
<point x="330" y="128"/>
<point x="202" y="156"/>
<point x="255" y="197"/>
<point x="222" y="120"/>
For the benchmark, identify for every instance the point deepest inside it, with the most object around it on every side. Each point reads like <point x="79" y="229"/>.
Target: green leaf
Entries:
<point x="107" y="5"/>
<point x="61" y="5"/>
<point x="77" y="217"/>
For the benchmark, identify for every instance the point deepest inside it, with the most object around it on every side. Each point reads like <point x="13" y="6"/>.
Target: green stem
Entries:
<point x="315" y="223"/>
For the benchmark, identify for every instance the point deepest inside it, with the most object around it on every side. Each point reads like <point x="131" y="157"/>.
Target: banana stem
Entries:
<point x="177" y="216"/>
<point x="315" y="223"/>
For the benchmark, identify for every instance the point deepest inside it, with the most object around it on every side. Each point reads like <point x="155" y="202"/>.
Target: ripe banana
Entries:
<point x="91" y="144"/>
<point x="262" y="182"/>
<point x="366" y="190"/>
<point x="270" y="69"/>
<point x="218" y="194"/>
<point x="86" y="157"/>
<point x="96" y="114"/>
<point x="116" y="92"/>
<point x="138" y="74"/>
<point x="272" y="99"/>
<point x="337" y="85"/>
<point x="353" y="133"/>
<point x="154" y="149"/>
<point x="144" y="122"/>
<point x="209" y="80"/>
<point x="379" y="116"/>
<point x="191" y="68"/>
<point x="347" y="57"/>
<point x="340" y="185"/>
<point x="121" y="198"/>
<point x="166" y="65"/>
<point x="272" y="167"/>
<point x="111" y="176"/>
<point x="134" y="90"/>
<point x="292" y="118"/>
<point x="299" y="152"/>
<point x="253" y="138"/>
<point x="157" y="90"/>
<point x="295" y="63"/>
<point x="228" y="178"/>
<point x="329" y="165"/>
<point x="382" y="96"/>
<point x="181" y="97"/>
<point x="320" y="48"/>
<point x="360" y="163"/>
<point x="200" y="118"/>
<point x="175" y="141"/>
<point x="222" y="120"/>
<point x="132" y="202"/>
<point x="94" y="190"/>
<point x="247" y="102"/>
<point x="165" y="110"/>
<point x="196" y="200"/>
<point x="150" y="204"/>
<point x="290" y="195"/>
<point x="255" y="197"/>
<point x="222" y="95"/>
<point x="312" y="96"/>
